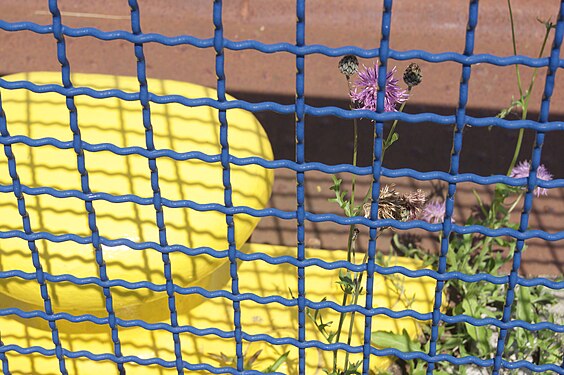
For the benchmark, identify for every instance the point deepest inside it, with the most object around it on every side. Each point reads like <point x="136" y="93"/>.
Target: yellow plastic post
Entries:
<point x="118" y="122"/>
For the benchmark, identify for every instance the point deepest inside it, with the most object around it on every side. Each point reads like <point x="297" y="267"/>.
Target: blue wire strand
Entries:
<point x="289" y="215"/>
<point x="497" y="280"/>
<point x="531" y="185"/>
<point x="454" y="166"/>
<point x="300" y="178"/>
<point x="128" y="359"/>
<point x="157" y="198"/>
<point x="281" y="163"/>
<point x="309" y="344"/>
<point x="376" y="174"/>
<point x="4" y="359"/>
<point x="462" y="318"/>
<point x="256" y="45"/>
<point x="226" y="178"/>
<point x="84" y="180"/>
<point x="283" y="109"/>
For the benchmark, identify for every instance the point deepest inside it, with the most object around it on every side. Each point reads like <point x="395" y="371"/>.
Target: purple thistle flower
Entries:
<point x="366" y="89"/>
<point x="522" y="169"/>
<point x="434" y="212"/>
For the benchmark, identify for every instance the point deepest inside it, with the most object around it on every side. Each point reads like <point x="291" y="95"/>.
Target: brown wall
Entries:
<point x="432" y="26"/>
<point x="435" y="26"/>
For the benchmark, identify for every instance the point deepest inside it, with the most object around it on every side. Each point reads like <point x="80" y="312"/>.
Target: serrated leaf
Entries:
<point x="336" y="183"/>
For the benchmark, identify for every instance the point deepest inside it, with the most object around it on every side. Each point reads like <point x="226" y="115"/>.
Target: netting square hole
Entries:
<point x="107" y="17"/>
<point x="45" y="166"/>
<point x="181" y="62"/>
<point x="541" y="258"/>
<point x="92" y="55"/>
<point x="266" y="23"/>
<point x="327" y="26"/>
<point x="56" y="216"/>
<point x="440" y="29"/>
<point x="256" y="73"/>
<point x="273" y="229"/>
<point x="194" y="20"/>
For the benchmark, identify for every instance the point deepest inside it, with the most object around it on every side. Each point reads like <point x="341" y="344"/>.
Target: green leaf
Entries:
<point x="277" y="363"/>
<point x="394" y="138"/>
<point x="346" y="282"/>
<point x="480" y="203"/>
<point x="509" y="340"/>
<point x="452" y="260"/>
<point x="524" y="307"/>
<point x="499" y="241"/>
<point x="401" y="342"/>
<point x="336" y="183"/>
<point x="479" y="334"/>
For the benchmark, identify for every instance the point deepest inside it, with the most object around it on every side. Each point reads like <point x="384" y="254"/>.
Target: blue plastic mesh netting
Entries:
<point x="300" y="49"/>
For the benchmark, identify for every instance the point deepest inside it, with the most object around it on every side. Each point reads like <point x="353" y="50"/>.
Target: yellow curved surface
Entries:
<point x="278" y="321"/>
<point x="176" y="127"/>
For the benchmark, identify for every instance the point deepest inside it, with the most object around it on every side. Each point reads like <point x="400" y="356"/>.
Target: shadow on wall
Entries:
<point x="422" y="146"/>
<point x="541" y="257"/>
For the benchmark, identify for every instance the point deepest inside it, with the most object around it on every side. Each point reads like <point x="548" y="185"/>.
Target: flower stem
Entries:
<point x="524" y="99"/>
<point x="514" y="42"/>
<point x="351" y="240"/>
<point x="386" y="142"/>
<point x="522" y="130"/>
<point x="356" y="294"/>
<point x="536" y="69"/>
<point x="339" y="329"/>
<point x="393" y="128"/>
<point x="355" y="153"/>
<point x="514" y="204"/>
<point x="517" y="150"/>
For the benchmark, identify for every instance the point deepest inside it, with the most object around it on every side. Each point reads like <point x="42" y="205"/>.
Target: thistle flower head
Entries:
<point x="365" y="90"/>
<point x="393" y="205"/>
<point x="434" y="212"/>
<point x="412" y="75"/>
<point x="522" y="169"/>
<point x="414" y="202"/>
<point x="348" y="65"/>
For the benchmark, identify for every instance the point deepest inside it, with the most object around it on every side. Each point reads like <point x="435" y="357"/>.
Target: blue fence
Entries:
<point x="300" y="49"/>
